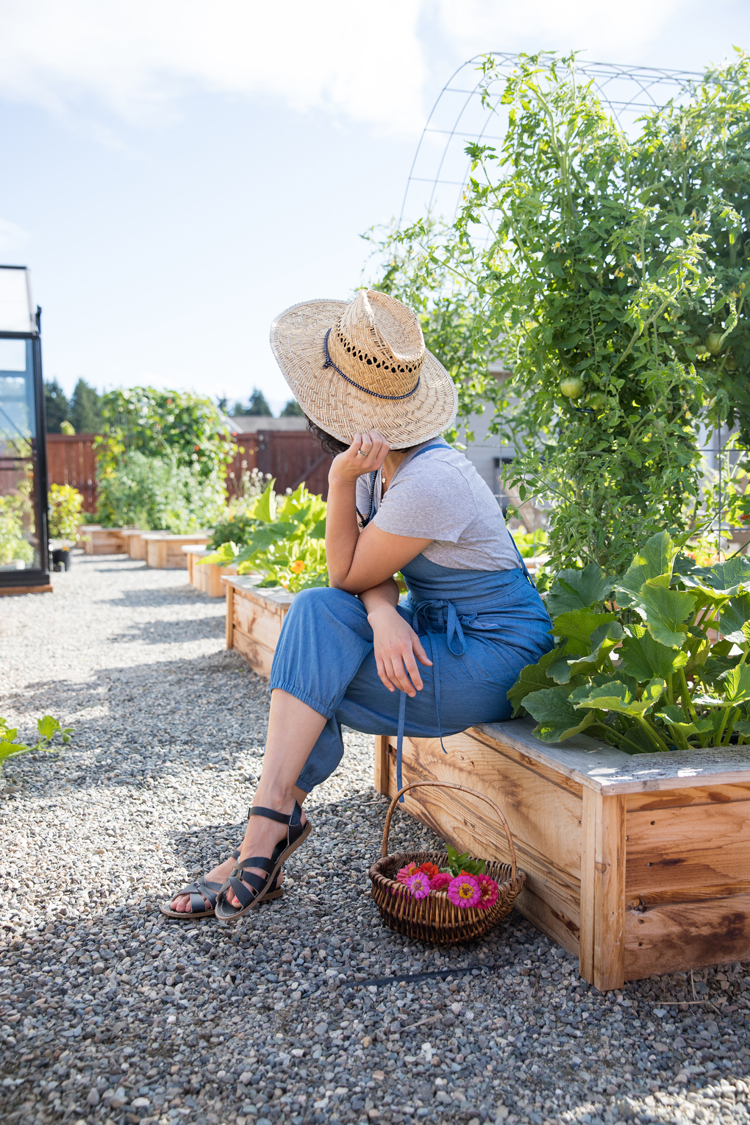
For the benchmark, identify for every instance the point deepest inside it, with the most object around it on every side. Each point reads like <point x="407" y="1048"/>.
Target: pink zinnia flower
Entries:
<point x="464" y="891"/>
<point x="405" y="873"/>
<point x="418" y="885"/>
<point x="441" y="881"/>
<point x="488" y="891"/>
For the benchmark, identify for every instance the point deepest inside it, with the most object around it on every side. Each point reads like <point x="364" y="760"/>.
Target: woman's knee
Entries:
<point x="322" y="601"/>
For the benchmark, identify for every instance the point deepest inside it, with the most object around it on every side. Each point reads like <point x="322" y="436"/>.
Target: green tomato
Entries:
<point x="713" y="342"/>
<point x="700" y="351"/>
<point x="597" y="401"/>
<point x="572" y="386"/>
<point x="731" y="363"/>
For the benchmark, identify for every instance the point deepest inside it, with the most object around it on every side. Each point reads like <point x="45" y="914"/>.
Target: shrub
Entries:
<point x="158" y="493"/>
<point x="65" y="504"/>
<point x="14" y="547"/>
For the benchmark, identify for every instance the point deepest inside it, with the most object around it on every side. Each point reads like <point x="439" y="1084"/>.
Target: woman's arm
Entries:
<point x="395" y="643"/>
<point x="361" y="561"/>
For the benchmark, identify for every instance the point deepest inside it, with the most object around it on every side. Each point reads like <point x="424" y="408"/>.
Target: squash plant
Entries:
<point x="47" y="728"/>
<point x="653" y="661"/>
<point x="286" y="545"/>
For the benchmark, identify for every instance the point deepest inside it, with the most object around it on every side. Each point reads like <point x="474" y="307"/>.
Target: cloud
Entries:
<point x="139" y="57"/>
<point x="600" y="28"/>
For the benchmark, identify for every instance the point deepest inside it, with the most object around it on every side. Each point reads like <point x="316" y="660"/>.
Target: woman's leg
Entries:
<point x="324" y="640"/>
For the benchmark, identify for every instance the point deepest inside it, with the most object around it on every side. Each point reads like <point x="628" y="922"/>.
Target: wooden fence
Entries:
<point x="291" y="456"/>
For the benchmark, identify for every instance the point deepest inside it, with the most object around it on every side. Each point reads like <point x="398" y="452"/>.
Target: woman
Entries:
<point x="400" y="499"/>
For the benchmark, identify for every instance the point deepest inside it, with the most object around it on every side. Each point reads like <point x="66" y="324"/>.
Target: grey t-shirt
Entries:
<point x="440" y="496"/>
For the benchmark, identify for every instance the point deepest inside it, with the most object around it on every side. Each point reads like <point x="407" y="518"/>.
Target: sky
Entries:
<point x="176" y="173"/>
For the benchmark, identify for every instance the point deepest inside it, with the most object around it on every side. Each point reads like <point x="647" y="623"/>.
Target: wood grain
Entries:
<point x="258" y="656"/>
<point x="675" y="937"/>
<point x="687" y="845"/>
<point x="696" y="795"/>
<point x="103" y="541"/>
<point x="609" y="894"/>
<point x="229" y="615"/>
<point x="262" y="623"/>
<point x="380" y="778"/>
<point x="592" y="802"/>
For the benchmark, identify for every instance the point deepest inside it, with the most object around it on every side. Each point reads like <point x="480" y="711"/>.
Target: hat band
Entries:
<point x="329" y="363"/>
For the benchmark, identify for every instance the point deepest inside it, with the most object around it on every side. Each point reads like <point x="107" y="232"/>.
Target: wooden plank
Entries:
<point x="687" y="894"/>
<point x="262" y="622"/>
<point x="675" y="937"/>
<point x="609" y="894"/>
<point x="687" y="845"/>
<point x="5" y="591"/>
<point x="695" y="795"/>
<point x="258" y="656"/>
<point x="551" y="898"/>
<point x="381" y="780"/>
<point x="515" y="751"/>
<point x="230" y="615"/>
<point x="592" y="804"/>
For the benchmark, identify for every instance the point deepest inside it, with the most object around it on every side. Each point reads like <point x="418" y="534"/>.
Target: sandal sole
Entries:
<point x="189" y="916"/>
<point x="265" y="897"/>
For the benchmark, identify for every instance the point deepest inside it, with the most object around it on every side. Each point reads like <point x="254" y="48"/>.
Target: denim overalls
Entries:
<point x="478" y="627"/>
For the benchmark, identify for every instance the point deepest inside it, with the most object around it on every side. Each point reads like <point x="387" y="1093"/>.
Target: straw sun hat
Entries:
<point x="363" y="366"/>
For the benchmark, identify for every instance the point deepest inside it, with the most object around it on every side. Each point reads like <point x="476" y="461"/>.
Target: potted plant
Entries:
<point x="65" y="504"/>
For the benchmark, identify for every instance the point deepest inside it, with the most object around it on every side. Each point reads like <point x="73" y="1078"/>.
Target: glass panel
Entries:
<point x="19" y="517"/>
<point x="16" y="310"/>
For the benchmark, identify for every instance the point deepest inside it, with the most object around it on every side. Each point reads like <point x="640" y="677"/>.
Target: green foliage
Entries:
<point x="636" y="661"/>
<point x="160" y="493"/>
<point x="530" y="543"/>
<point x="257" y="405"/>
<point x="14" y="546"/>
<point x="292" y="410"/>
<point x="610" y="276"/>
<point x="287" y="545"/>
<point x="86" y="409"/>
<point x="65" y="504"/>
<point x="181" y="433"/>
<point x="47" y="728"/>
<point x="57" y="407"/>
<point x="457" y="864"/>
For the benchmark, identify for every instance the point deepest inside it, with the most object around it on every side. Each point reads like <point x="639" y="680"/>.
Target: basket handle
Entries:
<point x="462" y="789"/>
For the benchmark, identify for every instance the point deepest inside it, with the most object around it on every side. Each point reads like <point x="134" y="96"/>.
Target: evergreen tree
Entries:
<point x="85" y="409"/>
<point x="57" y="406"/>
<point x="258" y="405"/>
<point x="292" y="410"/>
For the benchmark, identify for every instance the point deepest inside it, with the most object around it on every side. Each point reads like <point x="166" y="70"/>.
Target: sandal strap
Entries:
<point x="201" y="893"/>
<point x="271" y="814"/>
<point x="242" y="892"/>
<point x="260" y="861"/>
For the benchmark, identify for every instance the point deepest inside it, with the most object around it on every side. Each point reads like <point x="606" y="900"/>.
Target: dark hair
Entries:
<point x="328" y="443"/>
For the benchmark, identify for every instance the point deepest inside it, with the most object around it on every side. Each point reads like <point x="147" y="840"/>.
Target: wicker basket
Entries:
<point x="435" y="918"/>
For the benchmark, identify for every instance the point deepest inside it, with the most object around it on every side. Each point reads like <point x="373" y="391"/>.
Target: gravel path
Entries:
<point x="109" y="1014"/>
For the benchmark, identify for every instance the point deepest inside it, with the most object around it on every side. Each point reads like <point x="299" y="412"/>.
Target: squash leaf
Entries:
<point x="654" y="561"/>
<point x="577" y="589"/>
<point x="642" y="657"/>
<point x="615" y="696"/>
<point x="556" y="717"/>
<point x="734" y="621"/>
<point x="664" y="611"/>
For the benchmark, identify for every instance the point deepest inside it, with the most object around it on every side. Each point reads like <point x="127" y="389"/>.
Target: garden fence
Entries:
<point x="290" y="456"/>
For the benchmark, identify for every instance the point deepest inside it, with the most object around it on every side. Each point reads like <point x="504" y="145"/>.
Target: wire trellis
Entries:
<point x="440" y="169"/>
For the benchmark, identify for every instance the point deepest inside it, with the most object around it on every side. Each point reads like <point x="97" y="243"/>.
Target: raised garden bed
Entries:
<point x="206" y="577"/>
<point x="163" y="551"/>
<point x="132" y="537"/>
<point x="254" y="620"/>
<point x="638" y="864"/>
<point x="97" y="540"/>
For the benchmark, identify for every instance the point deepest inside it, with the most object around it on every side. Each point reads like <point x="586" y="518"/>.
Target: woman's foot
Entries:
<point x="262" y="836"/>
<point x="181" y="904"/>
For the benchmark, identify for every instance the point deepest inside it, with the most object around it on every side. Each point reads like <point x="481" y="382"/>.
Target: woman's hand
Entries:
<point x="366" y="454"/>
<point x="396" y="646"/>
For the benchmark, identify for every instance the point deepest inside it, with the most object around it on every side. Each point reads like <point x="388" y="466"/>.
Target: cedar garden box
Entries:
<point x="254" y="620"/>
<point x="206" y="577"/>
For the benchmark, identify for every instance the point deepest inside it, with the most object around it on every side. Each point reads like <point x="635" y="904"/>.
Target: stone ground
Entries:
<point x="308" y="1010"/>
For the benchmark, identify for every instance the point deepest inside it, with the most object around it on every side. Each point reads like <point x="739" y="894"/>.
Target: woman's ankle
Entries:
<point x="275" y="797"/>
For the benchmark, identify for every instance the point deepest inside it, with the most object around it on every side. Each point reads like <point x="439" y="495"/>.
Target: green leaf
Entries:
<point x="653" y="561"/>
<point x="734" y="621"/>
<point x="265" y="506"/>
<point x="664" y="611"/>
<point x="725" y="579"/>
<point x="675" y="717"/>
<point x="47" y="727"/>
<point x="615" y="696"/>
<point x="737" y="684"/>
<point x="579" y="624"/>
<point x="533" y="677"/>
<point x="556" y="717"/>
<point x="8" y="749"/>
<point x="642" y="657"/>
<point x="577" y="589"/>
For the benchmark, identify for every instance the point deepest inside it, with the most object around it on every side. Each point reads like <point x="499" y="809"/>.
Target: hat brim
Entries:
<point x="342" y="410"/>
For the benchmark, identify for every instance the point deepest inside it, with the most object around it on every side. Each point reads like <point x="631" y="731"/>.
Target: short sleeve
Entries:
<point x="432" y="500"/>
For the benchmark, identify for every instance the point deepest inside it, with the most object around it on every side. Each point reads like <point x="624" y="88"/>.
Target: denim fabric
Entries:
<point x="496" y="625"/>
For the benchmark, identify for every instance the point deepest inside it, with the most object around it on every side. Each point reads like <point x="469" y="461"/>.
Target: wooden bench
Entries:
<point x="638" y="864"/>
